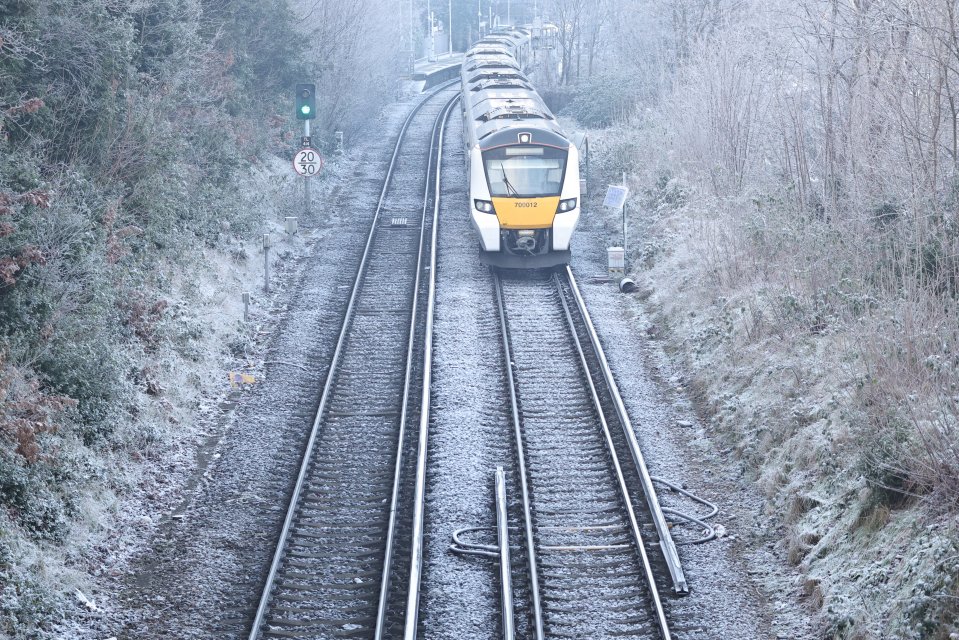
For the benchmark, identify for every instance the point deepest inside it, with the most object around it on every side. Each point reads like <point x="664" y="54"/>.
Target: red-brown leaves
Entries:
<point x="116" y="250"/>
<point x="30" y="106"/>
<point x="36" y="198"/>
<point x="26" y="411"/>
<point x="143" y="317"/>
<point x="11" y="266"/>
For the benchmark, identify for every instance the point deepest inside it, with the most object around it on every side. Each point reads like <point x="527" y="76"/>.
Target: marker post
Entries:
<point x="308" y="143"/>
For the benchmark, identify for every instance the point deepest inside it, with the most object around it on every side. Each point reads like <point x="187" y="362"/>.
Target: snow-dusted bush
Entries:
<point x="605" y="98"/>
<point x="126" y="132"/>
<point x="809" y="269"/>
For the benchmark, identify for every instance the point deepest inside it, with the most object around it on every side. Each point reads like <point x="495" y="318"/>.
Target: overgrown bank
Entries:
<point x="138" y="152"/>
<point x="794" y="167"/>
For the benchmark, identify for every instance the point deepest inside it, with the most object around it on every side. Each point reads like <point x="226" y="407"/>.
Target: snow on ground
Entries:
<point x="777" y="413"/>
<point x="169" y="565"/>
<point x="740" y="585"/>
<point x="161" y="561"/>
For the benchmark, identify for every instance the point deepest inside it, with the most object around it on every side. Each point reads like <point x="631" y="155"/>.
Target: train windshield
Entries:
<point x="525" y="171"/>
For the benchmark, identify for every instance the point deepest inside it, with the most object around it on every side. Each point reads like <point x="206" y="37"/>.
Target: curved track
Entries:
<point x="595" y="550"/>
<point x="335" y="568"/>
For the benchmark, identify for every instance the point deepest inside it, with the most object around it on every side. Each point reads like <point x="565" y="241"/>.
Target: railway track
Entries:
<point x="349" y="562"/>
<point x="348" y="557"/>
<point x="598" y="554"/>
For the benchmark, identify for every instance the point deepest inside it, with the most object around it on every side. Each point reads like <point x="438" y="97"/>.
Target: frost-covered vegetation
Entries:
<point x="129" y="133"/>
<point x="797" y="169"/>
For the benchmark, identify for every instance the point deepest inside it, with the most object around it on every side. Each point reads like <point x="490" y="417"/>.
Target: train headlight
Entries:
<point x="483" y="205"/>
<point x="567" y="205"/>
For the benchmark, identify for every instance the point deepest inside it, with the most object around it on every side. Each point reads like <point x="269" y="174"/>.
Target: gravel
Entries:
<point x="197" y="575"/>
<point x="470" y="429"/>
<point x="740" y="585"/>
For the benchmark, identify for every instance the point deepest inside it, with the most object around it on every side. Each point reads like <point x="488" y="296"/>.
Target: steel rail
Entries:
<point x="382" y="609"/>
<point x="656" y="601"/>
<point x="502" y="537"/>
<point x="419" y="500"/>
<point x="535" y="601"/>
<point x="331" y="374"/>
<point x="666" y="543"/>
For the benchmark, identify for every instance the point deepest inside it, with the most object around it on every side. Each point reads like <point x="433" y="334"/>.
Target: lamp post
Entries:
<point x="429" y="17"/>
<point x="450" y="27"/>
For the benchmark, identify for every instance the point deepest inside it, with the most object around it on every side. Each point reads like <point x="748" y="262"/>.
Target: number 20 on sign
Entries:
<point x="307" y="162"/>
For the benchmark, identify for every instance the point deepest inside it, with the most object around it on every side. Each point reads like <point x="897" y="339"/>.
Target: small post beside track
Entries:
<point x="267" y="243"/>
<point x="308" y="181"/>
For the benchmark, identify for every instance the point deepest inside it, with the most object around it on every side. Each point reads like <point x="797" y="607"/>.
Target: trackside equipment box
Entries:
<point x="617" y="260"/>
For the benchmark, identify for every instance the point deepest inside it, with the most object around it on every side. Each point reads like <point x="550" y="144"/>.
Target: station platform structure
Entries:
<point x="439" y="70"/>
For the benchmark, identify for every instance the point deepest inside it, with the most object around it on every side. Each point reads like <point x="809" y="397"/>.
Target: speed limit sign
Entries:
<point x="307" y="162"/>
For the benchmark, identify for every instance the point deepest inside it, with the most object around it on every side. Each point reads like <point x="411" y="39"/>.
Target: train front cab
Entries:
<point x="525" y="200"/>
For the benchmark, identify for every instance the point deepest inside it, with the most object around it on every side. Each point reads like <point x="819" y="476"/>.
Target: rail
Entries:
<point x="599" y="392"/>
<point x="419" y="506"/>
<point x="667" y="545"/>
<point x="656" y="601"/>
<point x="278" y="556"/>
<point x="502" y="539"/>
<point x="535" y="601"/>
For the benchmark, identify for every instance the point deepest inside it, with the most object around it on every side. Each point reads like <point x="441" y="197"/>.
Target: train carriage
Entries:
<point x="524" y="171"/>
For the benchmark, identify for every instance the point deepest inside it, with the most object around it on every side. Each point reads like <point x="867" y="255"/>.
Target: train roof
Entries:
<point x="491" y="73"/>
<point x="504" y="39"/>
<point x="516" y="81"/>
<point x="498" y="39"/>
<point x="529" y="107"/>
<point x="494" y="73"/>
<point x="500" y="101"/>
<point x="494" y="111"/>
<point x="492" y="63"/>
<point x="510" y="93"/>
<point x="488" y="109"/>
<point x="488" y="49"/>
<point x="498" y="133"/>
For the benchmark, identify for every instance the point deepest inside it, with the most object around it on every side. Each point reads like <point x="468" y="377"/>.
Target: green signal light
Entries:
<point x="305" y="106"/>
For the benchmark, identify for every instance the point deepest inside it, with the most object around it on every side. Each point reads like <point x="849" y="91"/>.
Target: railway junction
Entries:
<point x="444" y="450"/>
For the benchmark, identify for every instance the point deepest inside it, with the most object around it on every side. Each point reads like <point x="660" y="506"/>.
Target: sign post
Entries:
<point x="616" y="199"/>
<point x="307" y="142"/>
<point x="305" y="162"/>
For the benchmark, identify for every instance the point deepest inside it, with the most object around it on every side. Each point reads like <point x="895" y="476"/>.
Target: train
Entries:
<point x="524" y="179"/>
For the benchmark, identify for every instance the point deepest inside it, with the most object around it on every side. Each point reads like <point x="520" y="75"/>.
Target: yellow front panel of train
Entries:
<point x="525" y="213"/>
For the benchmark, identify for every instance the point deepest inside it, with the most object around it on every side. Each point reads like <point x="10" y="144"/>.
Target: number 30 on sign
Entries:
<point x="307" y="162"/>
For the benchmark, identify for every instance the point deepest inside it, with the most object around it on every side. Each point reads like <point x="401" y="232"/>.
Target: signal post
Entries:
<point x="307" y="162"/>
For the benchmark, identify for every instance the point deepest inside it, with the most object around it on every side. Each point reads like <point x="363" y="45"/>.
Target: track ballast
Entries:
<point x="597" y="562"/>
<point x="328" y="576"/>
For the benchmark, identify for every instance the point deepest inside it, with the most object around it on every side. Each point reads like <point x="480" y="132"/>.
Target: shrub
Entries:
<point x="604" y="99"/>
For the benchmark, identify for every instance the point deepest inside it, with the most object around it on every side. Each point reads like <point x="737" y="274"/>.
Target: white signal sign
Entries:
<point x="308" y="162"/>
<point x="616" y="197"/>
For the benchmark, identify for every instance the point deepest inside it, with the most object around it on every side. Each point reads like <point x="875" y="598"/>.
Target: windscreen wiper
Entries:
<point x="510" y="189"/>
